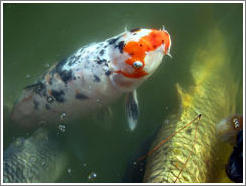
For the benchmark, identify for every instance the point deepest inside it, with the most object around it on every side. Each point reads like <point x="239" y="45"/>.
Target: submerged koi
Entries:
<point x="93" y="77"/>
<point x="38" y="158"/>
<point x="197" y="118"/>
<point x="228" y="128"/>
<point x="211" y="93"/>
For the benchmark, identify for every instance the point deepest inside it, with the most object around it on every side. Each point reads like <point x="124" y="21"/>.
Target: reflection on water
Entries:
<point x="100" y="147"/>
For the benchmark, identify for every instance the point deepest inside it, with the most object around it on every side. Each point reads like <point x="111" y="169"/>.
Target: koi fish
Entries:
<point x="39" y="158"/>
<point x="196" y="155"/>
<point x="93" y="77"/>
<point x="228" y="128"/>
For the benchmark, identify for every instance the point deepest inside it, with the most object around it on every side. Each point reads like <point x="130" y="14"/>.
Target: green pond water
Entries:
<point x="38" y="35"/>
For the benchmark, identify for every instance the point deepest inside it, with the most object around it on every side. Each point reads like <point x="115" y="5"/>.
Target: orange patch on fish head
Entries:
<point x="159" y="37"/>
<point x="147" y="50"/>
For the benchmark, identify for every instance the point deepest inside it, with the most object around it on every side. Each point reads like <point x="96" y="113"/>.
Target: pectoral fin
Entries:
<point x="132" y="109"/>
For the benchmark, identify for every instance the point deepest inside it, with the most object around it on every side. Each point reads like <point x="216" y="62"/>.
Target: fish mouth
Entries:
<point x="134" y="75"/>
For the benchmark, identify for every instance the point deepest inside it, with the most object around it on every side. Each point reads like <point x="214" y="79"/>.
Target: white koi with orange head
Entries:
<point x="93" y="77"/>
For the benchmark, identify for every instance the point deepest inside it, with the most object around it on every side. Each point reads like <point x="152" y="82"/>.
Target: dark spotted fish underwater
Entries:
<point x="196" y="154"/>
<point x="93" y="77"/>
<point x="38" y="158"/>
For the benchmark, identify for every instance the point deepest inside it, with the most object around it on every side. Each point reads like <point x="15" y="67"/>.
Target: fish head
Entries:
<point x="141" y="53"/>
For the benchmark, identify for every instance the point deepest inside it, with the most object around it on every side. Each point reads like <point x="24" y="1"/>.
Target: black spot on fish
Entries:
<point x="100" y="61"/>
<point x="66" y="75"/>
<point x="96" y="78"/>
<point x="58" y="95"/>
<point x="101" y="52"/>
<point x="36" y="104"/>
<point x="74" y="78"/>
<point x="38" y="88"/>
<point x="80" y="96"/>
<point x="108" y="72"/>
<point x="113" y="40"/>
<point x="47" y="107"/>
<point x="73" y="59"/>
<point x="58" y="69"/>
<point x="135" y="29"/>
<point x="59" y="66"/>
<point x="120" y="46"/>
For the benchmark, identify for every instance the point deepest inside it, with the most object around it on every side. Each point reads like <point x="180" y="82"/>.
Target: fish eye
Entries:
<point x="137" y="64"/>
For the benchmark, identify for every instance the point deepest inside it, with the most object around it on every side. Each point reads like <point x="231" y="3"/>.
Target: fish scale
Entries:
<point x="36" y="159"/>
<point x="211" y="97"/>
